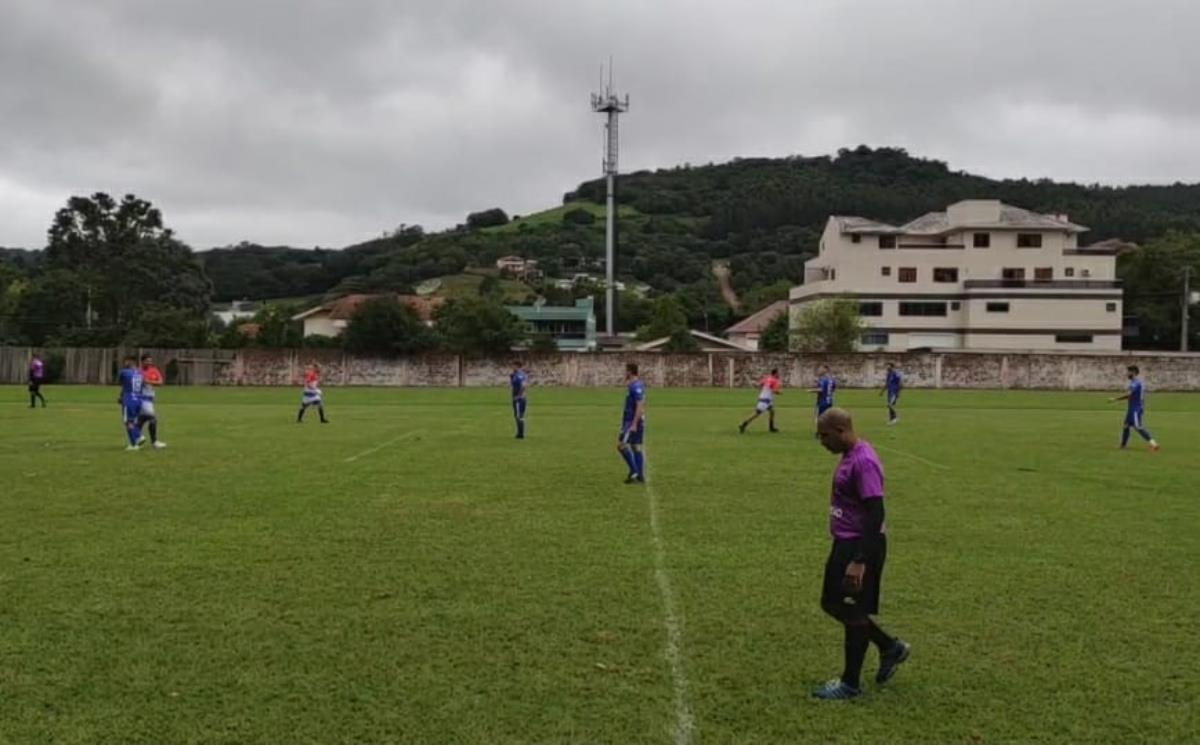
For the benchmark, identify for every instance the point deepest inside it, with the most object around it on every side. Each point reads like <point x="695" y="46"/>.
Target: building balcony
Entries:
<point x="1035" y="284"/>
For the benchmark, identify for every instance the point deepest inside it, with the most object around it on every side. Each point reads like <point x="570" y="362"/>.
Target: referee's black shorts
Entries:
<point x="840" y="601"/>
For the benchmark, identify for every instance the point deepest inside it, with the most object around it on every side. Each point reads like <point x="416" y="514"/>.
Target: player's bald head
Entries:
<point x="835" y="429"/>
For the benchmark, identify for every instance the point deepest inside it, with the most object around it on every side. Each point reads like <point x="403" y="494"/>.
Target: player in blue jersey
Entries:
<point x="519" y="380"/>
<point x="1136" y="410"/>
<point x="633" y="426"/>
<point x="132" y="383"/>
<point x="892" y="385"/>
<point x="826" y="386"/>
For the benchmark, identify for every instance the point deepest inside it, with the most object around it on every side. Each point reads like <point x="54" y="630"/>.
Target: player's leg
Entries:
<point x="303" y="408"/>
<point x="32" y="396"/>
<point x="627" y="453"/>
<point x="771" y="420"/>
<point x="1141" y="430"/>
<point x="519" y="414"/>
<point x="747" y="422"/>
<point x="132" y="428"/>
<point x="856" y="639"/>
<point x="321" y="411"/>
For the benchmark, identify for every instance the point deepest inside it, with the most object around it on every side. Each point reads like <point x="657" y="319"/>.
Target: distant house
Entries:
<point x="748" y="331"/>
<point x="573" y="328"/>
<point x="707" y="343"/>
<point x="516" y="266"/>
<point x="331" y="319"/>
<point x="236" y="311"/>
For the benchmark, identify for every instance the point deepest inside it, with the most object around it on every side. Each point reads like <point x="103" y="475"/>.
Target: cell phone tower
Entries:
<point x="607" y="102"/>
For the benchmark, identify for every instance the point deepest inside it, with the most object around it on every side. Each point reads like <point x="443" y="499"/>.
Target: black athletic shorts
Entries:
<point x="834" y="593"/>
<point x="35" y="386"/>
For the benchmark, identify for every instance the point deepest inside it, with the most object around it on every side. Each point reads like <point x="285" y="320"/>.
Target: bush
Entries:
<point x="486" y="219"/>
<point x="479" y="326"/>
<point x="578" y="216"/>
<point x="385" y="326"/>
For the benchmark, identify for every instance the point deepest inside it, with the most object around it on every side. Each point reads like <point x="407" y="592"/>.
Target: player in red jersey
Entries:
<point x="769" y="387"/>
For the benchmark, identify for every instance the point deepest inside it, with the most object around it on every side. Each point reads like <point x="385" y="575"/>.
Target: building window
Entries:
<point x="1073" y="338"/>
<point x="887" y="241"/>
<point x="874" y="309"/>
<point x="1013" y="273"/>
<point x="886" y="271"/>
<point x="922" y="309"/>
<point x="1086" y="272"/>
<point x="944" y="274"/>
<point x="908" y="274"/>
<point x="997" y="307"/>
<point x="956" y="306"/>
<point x="874" y="338"/>
<point x="855" y="238"/>
<point x="1110" y="307"/>
<point x="1043" y="274"/>
<point x="982" y="240"/>
<point x="1069" y="271"/>
<point x="1029" y="240"/>
<point x="832" y="274"/>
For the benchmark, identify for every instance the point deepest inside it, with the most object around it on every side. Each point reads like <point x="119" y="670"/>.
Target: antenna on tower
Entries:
<point x="607" y="102"/>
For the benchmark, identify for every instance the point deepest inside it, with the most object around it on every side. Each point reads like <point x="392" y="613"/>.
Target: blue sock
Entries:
<point x="1145" y="433"/>
<point x="627" y="456"/>
<point x="640" y="460"/>
<point x="135" y="434"/>
<point x="520" y="428"/>
<point x="1125" y="437"/>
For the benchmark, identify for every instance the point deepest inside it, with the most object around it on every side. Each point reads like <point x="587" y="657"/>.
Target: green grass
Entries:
<point x="409" y="573"/>
<point x="554" y="217"/>
<point x="467" y="285"/>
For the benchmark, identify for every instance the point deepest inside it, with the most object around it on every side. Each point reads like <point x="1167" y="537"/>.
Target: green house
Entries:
<point x="573" y="328"/>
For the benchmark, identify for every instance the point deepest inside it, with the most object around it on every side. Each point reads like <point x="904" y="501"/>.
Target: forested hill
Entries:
<point x="763" y="215"/>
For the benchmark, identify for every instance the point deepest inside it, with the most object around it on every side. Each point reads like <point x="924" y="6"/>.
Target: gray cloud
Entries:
<point x="319" y="122"/>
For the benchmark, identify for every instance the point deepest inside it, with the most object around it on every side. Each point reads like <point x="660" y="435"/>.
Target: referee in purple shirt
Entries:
<point x="854" y="570"/>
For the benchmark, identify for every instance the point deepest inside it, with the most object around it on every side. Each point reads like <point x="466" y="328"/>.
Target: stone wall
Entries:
<point x="1063" y="371"/>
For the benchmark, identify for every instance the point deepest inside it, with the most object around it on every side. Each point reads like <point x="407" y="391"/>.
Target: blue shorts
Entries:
<point x="823" y="407"/>
<point x="519" y="406"/>
<point x="893" y="397"/>
<point x="631" y="435"/>
<point x="1133" y="418"/>
<point x="131" y="410"/>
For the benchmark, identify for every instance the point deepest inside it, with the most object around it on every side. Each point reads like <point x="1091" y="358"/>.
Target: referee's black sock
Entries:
<point x="879" y="638"/>
<point x="858" y="640"/>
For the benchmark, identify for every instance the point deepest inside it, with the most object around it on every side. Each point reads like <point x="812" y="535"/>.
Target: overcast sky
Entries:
<point x="325" y="122"/>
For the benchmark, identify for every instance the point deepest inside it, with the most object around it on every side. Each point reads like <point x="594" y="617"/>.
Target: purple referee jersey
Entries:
<point x="859" y="477"/>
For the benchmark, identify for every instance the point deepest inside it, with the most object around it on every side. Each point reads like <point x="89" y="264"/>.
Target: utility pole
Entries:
<point x="610" y="104"/>
<point x="1187" y="304"/>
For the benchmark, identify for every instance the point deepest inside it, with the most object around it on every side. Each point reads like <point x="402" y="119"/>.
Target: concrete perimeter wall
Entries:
<point x="1163" y="371"/>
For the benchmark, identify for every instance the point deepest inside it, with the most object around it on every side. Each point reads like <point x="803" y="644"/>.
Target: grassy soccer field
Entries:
<point x="410" y="573"/>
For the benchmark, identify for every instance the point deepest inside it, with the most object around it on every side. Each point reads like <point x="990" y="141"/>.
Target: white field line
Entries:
<point x="910" y="455"/>
<point x="684" y="720"/>
<point x="382" y="445"/>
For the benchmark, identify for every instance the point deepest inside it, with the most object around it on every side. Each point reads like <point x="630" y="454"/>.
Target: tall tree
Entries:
<point x="124" y="258"/>
<point x="384" y="325"/>
<point x="473" y="325"/>
<point x="828" y="326"/>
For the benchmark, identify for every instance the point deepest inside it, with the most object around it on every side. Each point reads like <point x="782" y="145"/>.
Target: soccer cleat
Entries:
<point x="774" y="430"/>
<point x="742" y="428"/>
<point x="891" y="659"/>
<point x="836" y="690"/>
<point x="633" y="478"/>
<point x="159" y="445"/>
<point x="893" y="421"/>
<point x="1154" y="446"/>
<point x="141" y="441"/>
<point x="132" y="448"/>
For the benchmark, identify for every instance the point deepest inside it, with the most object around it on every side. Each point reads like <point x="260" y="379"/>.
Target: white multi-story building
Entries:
<point x="981" y="275"/>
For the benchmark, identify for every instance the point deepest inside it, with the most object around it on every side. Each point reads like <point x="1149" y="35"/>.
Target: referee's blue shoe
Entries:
<point x="836" y="690"/>
<point x="891" y="659"/>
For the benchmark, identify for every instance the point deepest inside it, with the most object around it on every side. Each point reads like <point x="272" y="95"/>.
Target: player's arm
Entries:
<point x="1125" y="397"/>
